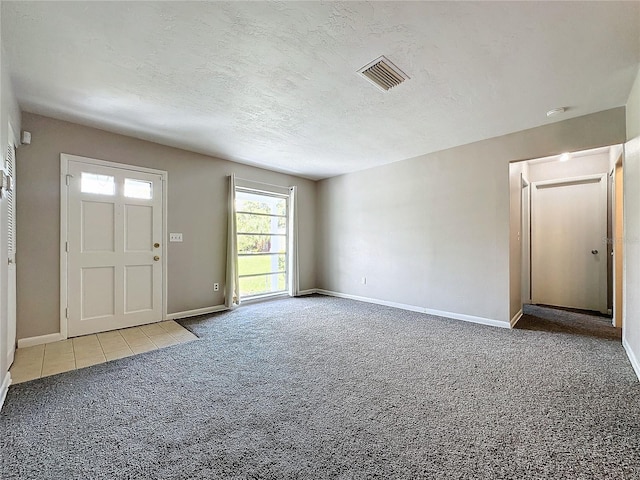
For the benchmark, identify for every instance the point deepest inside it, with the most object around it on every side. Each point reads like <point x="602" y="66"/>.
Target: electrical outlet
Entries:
<point x="216" y="287"/>
<point x="175" y="237"/>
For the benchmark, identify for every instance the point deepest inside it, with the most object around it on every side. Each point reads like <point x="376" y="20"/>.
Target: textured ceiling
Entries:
<point x="274" y="84"/>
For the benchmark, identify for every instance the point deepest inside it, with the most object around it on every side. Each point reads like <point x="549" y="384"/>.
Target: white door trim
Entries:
<point x="617" y="247"/>
<point x="10" y="287"/>
<point x="525" y="238"/>
<point x="570" y="180"/>
<point x="595" y="178"/>
<point x="64" y="222"/>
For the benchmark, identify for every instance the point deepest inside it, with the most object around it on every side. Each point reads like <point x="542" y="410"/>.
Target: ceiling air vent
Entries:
<point x="383" y="74"/>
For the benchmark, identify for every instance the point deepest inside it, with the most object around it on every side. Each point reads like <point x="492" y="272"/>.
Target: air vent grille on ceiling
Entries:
<point x="383" y="74"/>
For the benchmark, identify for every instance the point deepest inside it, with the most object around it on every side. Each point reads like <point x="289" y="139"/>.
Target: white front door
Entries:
<point x="115" y="247"/>
<point x="568" y="241"/>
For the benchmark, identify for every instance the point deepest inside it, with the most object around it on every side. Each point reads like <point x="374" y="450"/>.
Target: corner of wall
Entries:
<point x="633" y="110"/>
<point x="631" y="279"/>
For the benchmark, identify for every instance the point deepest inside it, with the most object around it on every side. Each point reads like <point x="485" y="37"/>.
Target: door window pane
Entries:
<point x="100" y="184"/>
<point x="138" y="189"/>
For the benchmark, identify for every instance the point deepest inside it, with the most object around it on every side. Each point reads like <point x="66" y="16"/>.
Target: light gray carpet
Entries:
<point x="561" y="320"/>
<point x="323" y="388"/>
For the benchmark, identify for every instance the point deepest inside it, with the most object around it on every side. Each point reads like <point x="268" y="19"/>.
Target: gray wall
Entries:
<point x="197" y="207"/>
<point x="434" y="231"/>
<point x="9" y="114"/>
<point x="631" y="286"/>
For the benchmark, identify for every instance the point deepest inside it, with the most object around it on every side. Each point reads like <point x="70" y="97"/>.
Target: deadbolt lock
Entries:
<point x="156" y="245"/>
<point x="156" y="258"/>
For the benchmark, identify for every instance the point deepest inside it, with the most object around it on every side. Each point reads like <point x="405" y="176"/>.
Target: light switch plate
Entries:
<point x="175" y="237"/>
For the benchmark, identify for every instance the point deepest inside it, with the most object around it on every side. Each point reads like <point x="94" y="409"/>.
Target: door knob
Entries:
<point x="595" y="252"/>
<point x="156" y="258"/>
<point x="156" y="245"/>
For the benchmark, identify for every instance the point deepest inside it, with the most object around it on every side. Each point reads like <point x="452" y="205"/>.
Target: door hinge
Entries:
<point x="66" y="246"/>
<point x="68" y="178"/>
<point x="66" y="312"/>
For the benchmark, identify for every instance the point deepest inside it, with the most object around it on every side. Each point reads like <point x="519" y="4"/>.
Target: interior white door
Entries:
<point x="10" y="168"/>
<point x="568" y="242"/>
<point x="114" y="248"/>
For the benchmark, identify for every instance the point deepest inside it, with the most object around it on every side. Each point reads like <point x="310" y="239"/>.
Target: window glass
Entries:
<point x="261" y="223"/>
<point x="258" y="223"/>
<point x="263" y="284"/>
<point x="262" y="264"/>
<point x="257" y="203"/>
<point x="138" y="189"/>
<point x="100" y="184"/>
<point x="261" y="243"/>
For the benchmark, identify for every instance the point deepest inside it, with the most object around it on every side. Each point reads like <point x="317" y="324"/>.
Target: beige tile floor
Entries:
<point x="44" y="360"/>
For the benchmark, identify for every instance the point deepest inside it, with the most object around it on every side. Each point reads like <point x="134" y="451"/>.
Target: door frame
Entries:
<point x="11" y="290"/>
<point x="602" y="179"/>
<point x="618" y="242"/>
<point x="525" y="239"/>
<point x="65" y="158"/>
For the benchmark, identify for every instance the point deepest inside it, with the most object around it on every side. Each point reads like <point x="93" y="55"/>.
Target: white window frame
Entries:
<point x="286" y="235"/>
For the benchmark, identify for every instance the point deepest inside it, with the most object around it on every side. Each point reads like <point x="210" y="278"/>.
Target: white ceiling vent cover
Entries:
<point x="383" y="74"/>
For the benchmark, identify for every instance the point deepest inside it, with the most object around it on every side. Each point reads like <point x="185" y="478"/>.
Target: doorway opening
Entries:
<point x="566" y="320"/>
<point x="566" y="228"/>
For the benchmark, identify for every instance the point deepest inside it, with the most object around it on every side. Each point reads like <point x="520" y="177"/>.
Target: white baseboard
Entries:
<point x="632" y="357"/>
<point x="264" y="298"/>
<point x="31" y="341"/>
<point x="386" y="303"/>
<point x="515" y="319"/>
<point x="439" y="313"/>
<point x="196" y="312"/>
<point x="221" y="308"/>
<point x="469" y="318"/>
<point x="310" y="291"/>
<point x="4" y="388"/>
<point x="11" y="354"/>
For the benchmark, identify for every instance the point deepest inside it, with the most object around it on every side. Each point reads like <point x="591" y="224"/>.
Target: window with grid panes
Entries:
<point x="262" y="238"/>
